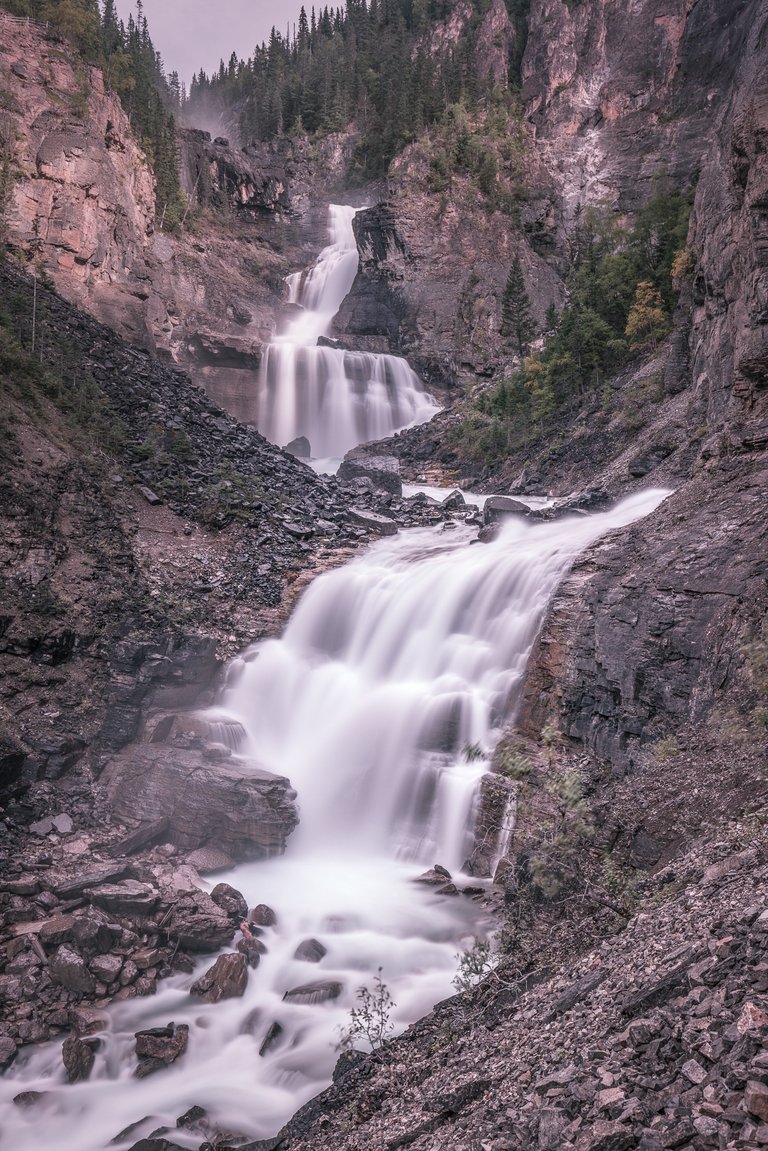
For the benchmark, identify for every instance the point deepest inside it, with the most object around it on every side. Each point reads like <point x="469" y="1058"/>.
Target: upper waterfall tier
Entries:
<point x="337" y="399"/>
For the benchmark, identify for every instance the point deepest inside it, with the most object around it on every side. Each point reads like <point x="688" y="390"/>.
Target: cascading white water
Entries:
<point x="336" y="399"/>
<point x="389" y="667"/>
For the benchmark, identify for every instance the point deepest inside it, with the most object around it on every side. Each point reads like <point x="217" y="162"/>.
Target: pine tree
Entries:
<point x="517" y="322"/>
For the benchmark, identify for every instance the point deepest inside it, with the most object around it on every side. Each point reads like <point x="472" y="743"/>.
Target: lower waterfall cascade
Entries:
<point x="337" y="399"/>
<point x="388" y="669"/>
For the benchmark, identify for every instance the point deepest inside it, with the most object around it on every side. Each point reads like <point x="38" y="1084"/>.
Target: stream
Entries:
<point x="389" y="668"/>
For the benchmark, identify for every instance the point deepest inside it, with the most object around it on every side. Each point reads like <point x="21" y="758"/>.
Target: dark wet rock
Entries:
<point x="230" y="901"/>
<point x="29" y="1098"/>
<point x="78" y="1056"/>
<point x="8" y="1051"/>
<point x="57" y="930"/>
<point x="107" y="968"/>
<point x="129" y="898"/>
<point x="72" y="888"/>
<point x="158" y="1047"/>
<point x="69" y="969"/>
<point x="310" y="950"/>
<point x="499" y="507"/>
<point x="382" y="471"/>
<point x="300" y="447"/>
<point x="197" y="924"/>
<point x="374" y="521"/>
<point x="227" y="979"/>
<point x="235" y="806"/>
<point x="262" y="916"/>
<point x="271" y="1039"/>
<point x="319" y="992"/>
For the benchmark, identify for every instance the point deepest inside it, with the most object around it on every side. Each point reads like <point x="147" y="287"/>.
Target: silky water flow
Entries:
<point x="336" y="399"/>
<point x="388" y="669"/>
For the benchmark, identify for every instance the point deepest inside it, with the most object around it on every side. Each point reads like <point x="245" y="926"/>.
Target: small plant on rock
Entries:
<point x="370" y="1022"/>
<point x="475" y="964"/>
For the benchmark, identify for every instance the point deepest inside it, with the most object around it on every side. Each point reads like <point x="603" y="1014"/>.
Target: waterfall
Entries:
<point x="389" y="667"/>
<point x="336" y="398"/>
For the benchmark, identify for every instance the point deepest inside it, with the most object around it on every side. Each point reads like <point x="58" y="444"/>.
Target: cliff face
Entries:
<point x="82" y="212"/>
<point x="82" y="204"/>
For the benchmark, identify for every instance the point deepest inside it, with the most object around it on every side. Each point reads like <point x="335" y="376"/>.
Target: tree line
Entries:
<point x="371" y="64"/>
<point x="134" y="70"/>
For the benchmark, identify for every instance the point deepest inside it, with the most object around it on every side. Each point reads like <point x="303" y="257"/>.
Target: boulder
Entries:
<point x="310" y="951"/>
<point x="69" y="970"/>
<point x="382" y="471"/>
<point x="499" y="507"/>
<point x="227" y="979"/>
<point x="262" y="916"/>
<point x="158" y="1047"/>
<point x="197" y="924"/>
<point x="372" y="521"/>
<point x="107" y="968"/>
<point x="129" y="898"/>
<point x="319" y="992"/>
<point x="235" y="806"/>
<point x="78" y="1056"/>
<point x="230" y="901"/>
<point x="300" y="447"/>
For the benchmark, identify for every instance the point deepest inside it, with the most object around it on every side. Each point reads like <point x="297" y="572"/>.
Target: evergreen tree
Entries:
<point x="517" y="322"/>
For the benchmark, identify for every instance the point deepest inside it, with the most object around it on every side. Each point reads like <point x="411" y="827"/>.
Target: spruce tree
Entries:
<point x="517" y="322"/>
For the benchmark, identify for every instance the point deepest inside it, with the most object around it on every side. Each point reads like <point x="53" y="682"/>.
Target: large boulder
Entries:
<point x="234" y="805"/>
<point x="158" y="1047"/>
<point x="382" y="471"/>
<point x="227" y="979"/>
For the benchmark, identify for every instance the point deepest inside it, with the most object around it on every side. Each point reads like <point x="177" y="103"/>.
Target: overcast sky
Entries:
<point x="195" y="34"/>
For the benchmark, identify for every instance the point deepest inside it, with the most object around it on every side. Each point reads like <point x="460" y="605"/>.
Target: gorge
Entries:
<point x="235" y="722"/>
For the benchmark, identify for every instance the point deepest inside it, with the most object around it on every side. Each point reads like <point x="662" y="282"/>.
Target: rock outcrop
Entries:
<point x="231" y="804"/>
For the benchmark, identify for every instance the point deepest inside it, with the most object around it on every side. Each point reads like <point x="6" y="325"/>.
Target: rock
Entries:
<point x="107" y="968"/>
<point x="500" y="507"/>
<point x="92" y="933"/>
<point x="752" y="1018"/>
<point x="209" y="859"/>
<point x="68" y="969"/>
<point x="319" y="992"/>
<point x="262" y="916"/>
<point x="455" y="501"/>
<point x="197" y="924"/>
<point x="79" y="1056"/>
<point x="8" y="1051"/>
<point x="756" y="1100"/>
<point x="606" y="1135"/>
<point x="227" y="979"/>
<point x="235" y="806"/>
<point x="300" y="447"/>
<point x="129" y="898"/>
<point x="88" y="1021"/>
<point x="382" y="471"/>
<point x="374" y="522"/>
<point x="693" y="1071"/>
<point x="158" y="1047"/>
<point x="271" y="1039"/>
<point x="230" y="901"/>
<point x="72" y="888"/>
<point x="310" y="950"/>
<point x="63" y="824"/>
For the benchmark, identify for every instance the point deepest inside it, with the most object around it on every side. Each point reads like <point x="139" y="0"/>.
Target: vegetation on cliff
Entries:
<point x="134" y="69"/>
<point x="374" y="63"/>
<point x="621" y="292"/>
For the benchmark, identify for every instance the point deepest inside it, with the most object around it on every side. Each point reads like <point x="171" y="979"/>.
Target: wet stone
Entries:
<point x="311" y="993"/>
<point x="158" y="1047"/>
<point x="310" y="951"/>
<point x="227" y="979"/>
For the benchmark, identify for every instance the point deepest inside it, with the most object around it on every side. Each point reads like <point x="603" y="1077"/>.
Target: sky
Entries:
<point x="195" y="34"/>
